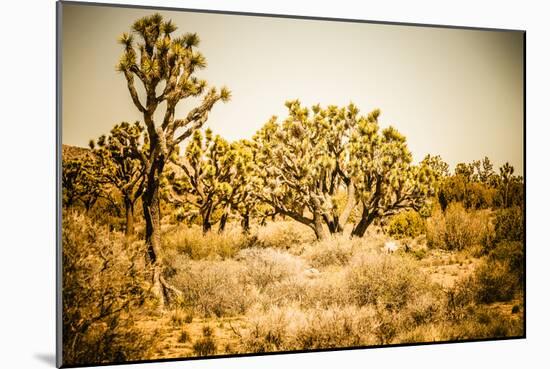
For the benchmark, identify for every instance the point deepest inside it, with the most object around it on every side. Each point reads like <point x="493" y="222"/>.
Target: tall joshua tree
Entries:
<point x="165" y="68"/>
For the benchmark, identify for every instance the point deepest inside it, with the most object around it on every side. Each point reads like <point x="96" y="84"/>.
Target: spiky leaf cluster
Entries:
<point x="119" y="157"/>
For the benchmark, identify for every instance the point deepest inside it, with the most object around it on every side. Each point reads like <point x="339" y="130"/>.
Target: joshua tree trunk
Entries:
<point x="223" y="220"/>
<point x="206" y="225"/>
<point x="151" y="212"/>
<point x="129" y="207"/>
<point x="365" y="221"/>
<point x="245" y="224"/>
<point x="317" y="226"/>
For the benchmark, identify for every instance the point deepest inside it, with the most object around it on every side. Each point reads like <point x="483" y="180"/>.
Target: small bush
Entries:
<point x="284" y="235"/>
<point x="294" y="329"/>
<point x="212" y="245"/>
<point x="105" y="287"/>
<point x="334" y="327"/>
<point x="263" y="267"/>
<point x="406" y="224"/>
<point x="177" y="318"/>
<point x="493" y="281"/>
<point x="333" y="251"/>
<point x="268" y="332"/>
<point x="482" y="323"/>
<point x="213" y="288"/>
<point x="509" y="225"/>
<point x="387" y="280"/>
<point x="458" y="229"/>
<point x="183" y="337"/>
<point x="205" y="346"/>
<point x="511" y="253"/>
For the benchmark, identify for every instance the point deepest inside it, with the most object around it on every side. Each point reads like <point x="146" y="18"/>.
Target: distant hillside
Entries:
<point x="69" y="152"/>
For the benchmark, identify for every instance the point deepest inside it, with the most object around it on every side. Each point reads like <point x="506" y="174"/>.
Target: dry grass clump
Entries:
<point x="324" y="291"/>
<point x="206" y="345"/>
<point x="392" y="281"/>
<point x="192" y="242"/>
<point x="482" y="322"/>
<point x="458" y="229"/>
<point x="494" y="281"/>
<point x="213" y="288"/>
<point x="286" y="235"/>
<point x="263" y="267"/>
<point x="329" y="328"/>
<point x="291" y="328"/>
<point x="336" y="250"/>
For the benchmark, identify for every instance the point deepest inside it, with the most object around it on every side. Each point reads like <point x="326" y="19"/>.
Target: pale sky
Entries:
<point x="453" y="92"/>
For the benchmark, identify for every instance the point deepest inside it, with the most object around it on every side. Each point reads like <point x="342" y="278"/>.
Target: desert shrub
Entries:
<point x="436" y="229"/>
<point x="509" y="224"/>
<point x="333" y="327"/>
<point x="183" y="336"/>
<point x="291" y="328"/>
<point x="482" y="323"/>
<point x="212" y="245"/>
<point x="390" y="281"/>
<point x="177" y="318"/>
<point x="458" y="229"/>
<point x="322" y="292"/>
<point x="511" y="253"/>
<point x="494" y="281"/>
<point x="267" y="332"/>
<point x="263" y="267"/>
<point x="336" y="250"/>
<point x="105" y="287"/>
<point x="284" y="235"/>
<point x="213" y="288"/>
<point x="206" y="345"/>
<point x="406" y="224"/>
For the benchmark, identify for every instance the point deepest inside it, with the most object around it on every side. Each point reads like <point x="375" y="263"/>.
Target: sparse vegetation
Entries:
<point x="279" y="241"/>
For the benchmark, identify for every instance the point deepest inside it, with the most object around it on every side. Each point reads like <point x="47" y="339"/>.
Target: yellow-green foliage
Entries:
<point x="406" y="224"/>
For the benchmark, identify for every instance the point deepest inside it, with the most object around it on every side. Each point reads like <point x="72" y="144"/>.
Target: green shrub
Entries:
<point x="493" y="281"/>
<point x="509" y="224"/>
<point x="481" y="323"/>
<point x="511" y="253"/>
<point x="406" y="224"/>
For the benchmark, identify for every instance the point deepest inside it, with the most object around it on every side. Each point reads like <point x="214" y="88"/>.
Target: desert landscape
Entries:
<point x="319" y="230"/>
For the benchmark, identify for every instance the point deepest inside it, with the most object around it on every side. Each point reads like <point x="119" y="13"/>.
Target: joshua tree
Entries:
<point x="205" y="180"/>
<point x="118" y="156"/>
<point x="506" y="178"/>
<point x="386" y="180"/>
<point x="80" y="183"/>
<point x="302" y="163"/>
<point x="165" y="67"/>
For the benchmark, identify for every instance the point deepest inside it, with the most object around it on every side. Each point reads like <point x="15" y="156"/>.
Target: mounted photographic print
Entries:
<point x="239" y="184"/>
